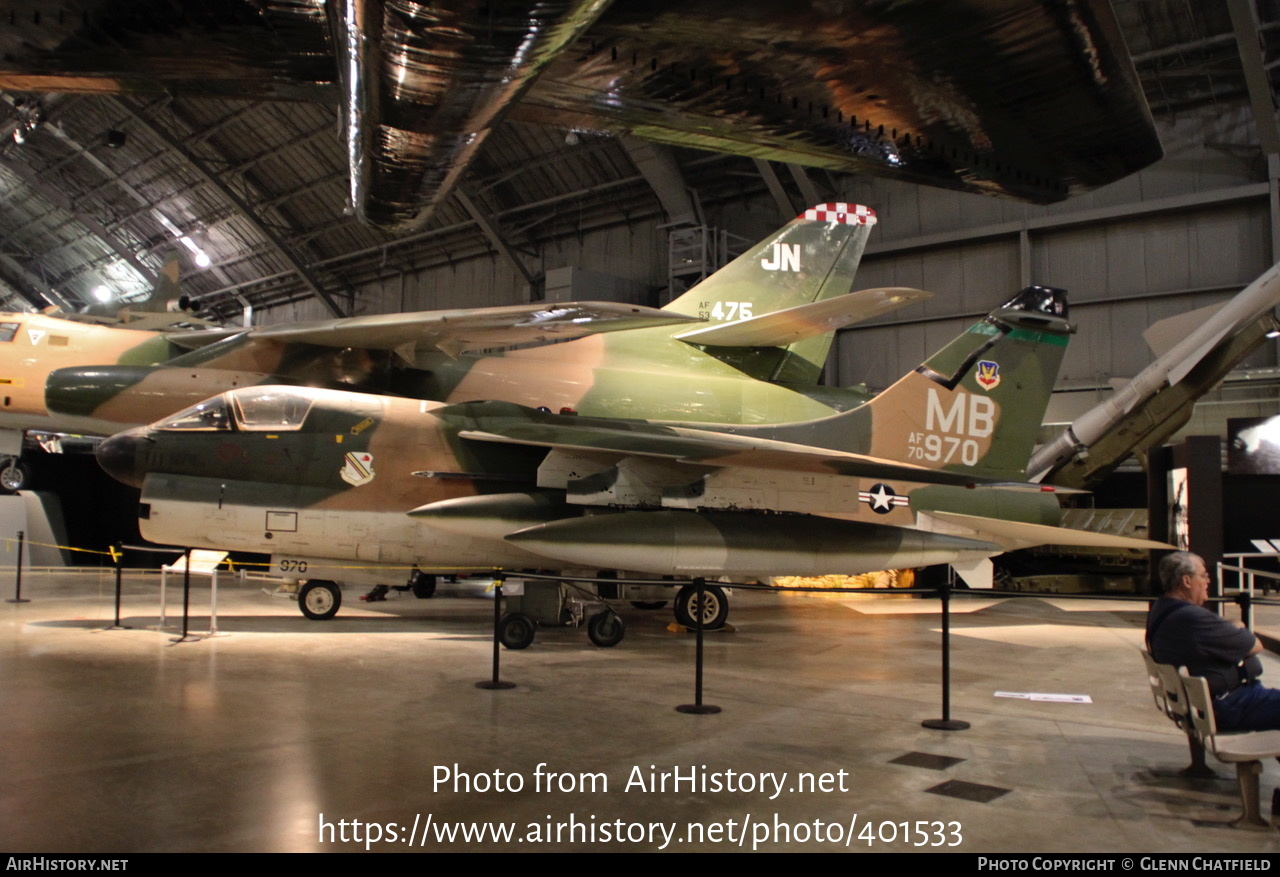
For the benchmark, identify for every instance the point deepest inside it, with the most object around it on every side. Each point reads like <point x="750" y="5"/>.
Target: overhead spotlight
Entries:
<point x="202" y="259"/>
<point x="102" y="293"/>
<point x="115" y="139"/>
<point x="30" y="114"/>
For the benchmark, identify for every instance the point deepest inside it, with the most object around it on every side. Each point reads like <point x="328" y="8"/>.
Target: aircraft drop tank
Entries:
<point x="740" y="544"/>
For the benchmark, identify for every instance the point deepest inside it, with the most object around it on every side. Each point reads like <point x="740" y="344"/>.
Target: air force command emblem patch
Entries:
<point x="357" y="468"/>
<point x="988" y="374"/>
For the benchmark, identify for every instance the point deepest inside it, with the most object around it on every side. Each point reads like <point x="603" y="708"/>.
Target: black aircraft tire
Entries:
<point x="14" y="476"/>
<point x="606" y="629"/>
<point x="715" y="608"/>
<point x="516" y="630"/>
<point x="423" y="585"/>
<point x="320" y="599"/>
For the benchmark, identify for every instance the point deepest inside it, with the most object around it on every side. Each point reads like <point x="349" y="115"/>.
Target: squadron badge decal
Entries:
<point x="988" y="374"/>
<point x="357" y="468"/>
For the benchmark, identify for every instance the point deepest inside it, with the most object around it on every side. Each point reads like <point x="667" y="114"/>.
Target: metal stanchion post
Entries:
<point x="17" y="585"/>
<point x="1245" y="601"/>
<point x="946" y="723"/>
<point x="494" y="683"/>
<point x="117" y="556"/>
<point x="186" y="601"/>
<point x="698" y="708"/>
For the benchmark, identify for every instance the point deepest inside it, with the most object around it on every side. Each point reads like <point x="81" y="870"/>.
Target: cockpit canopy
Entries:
<point x="252" y="409"/>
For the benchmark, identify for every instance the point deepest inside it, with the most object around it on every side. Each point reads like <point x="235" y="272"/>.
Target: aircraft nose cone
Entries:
<point x="121" y="456"/>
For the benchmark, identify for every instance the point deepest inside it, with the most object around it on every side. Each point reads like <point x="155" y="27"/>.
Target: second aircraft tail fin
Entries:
<point x="813" y="257"/>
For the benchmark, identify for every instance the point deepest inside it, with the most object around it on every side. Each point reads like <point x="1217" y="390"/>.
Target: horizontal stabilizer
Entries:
<point x="1012" y="535"/>
<point x="469" y="329"/>
<point x="780" y="328"/>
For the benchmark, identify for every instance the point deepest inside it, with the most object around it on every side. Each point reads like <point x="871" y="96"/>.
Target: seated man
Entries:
<point x="1180" y="631"/>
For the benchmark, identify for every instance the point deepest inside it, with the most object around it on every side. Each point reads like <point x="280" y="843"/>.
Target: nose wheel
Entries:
<point x="320" y="600"/>
<point x="516" y="630"/>
<point x="605" y="629"/>
<point x="13" y="475"/>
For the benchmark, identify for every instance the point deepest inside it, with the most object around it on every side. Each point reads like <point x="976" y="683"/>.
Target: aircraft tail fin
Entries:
<point x="814" y="257"/>
<point x="974" y="407"/>
<point x="977" y="404"/>
<point x="165" y="290"/>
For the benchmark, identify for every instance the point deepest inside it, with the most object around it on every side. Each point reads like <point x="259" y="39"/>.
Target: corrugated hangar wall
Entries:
<point x="1189" y="232"/>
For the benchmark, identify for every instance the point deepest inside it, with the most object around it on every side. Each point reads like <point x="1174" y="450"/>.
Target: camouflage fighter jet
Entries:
<point x="773" y="311"/>
<point x="336" y="485"/>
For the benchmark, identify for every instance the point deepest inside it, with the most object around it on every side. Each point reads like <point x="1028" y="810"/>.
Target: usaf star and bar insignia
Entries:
<point x="881" y="498"/>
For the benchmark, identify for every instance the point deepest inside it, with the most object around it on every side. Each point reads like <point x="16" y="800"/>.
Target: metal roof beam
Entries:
<point x="277" y="243"/>
<point x="1244" y="21"/>
<point x="60" y="200"/>
<point x="780" y="197"/>
<point x="36" y="283"/>
<point x="808" y="190"/>
<point x="489" y="228"/>
<point x="658" y="166"/>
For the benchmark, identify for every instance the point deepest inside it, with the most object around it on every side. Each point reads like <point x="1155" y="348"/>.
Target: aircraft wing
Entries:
<point x="514" y="424"/>
<point x="780" y="328"/>
<point x="468" y="329"/>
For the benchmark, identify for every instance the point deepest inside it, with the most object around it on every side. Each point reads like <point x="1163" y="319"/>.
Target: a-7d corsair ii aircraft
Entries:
<point x="927" y="472"/>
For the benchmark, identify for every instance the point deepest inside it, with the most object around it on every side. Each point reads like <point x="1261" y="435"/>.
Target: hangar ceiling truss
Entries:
<point x="255" y="171"/>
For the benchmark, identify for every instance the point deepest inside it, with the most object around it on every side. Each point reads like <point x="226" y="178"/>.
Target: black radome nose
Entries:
<point x="119" y="455"/>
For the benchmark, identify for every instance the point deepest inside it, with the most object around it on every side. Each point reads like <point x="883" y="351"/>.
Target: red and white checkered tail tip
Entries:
<point x="849" y="214"/>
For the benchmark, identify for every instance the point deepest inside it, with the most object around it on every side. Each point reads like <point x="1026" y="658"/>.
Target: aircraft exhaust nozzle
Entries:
<point x="741" y="544"/>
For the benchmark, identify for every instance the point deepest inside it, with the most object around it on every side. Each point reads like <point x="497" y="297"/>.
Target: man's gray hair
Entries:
<point x="1173" y="567"/>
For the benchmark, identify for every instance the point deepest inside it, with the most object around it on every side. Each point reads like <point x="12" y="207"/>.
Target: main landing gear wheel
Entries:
<point x="605" y="629"/>
<point x="516" y="630"/>
<point x="423" y="585"/>
<point x="714" y="609"/>
<point x="13" y="475"/>
<point x="319" y="600"/>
